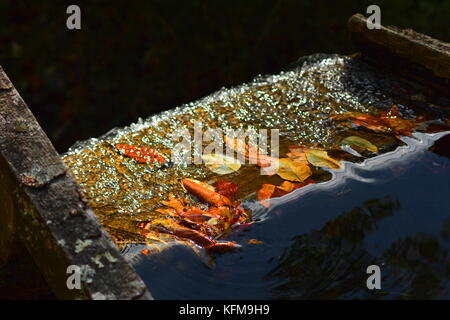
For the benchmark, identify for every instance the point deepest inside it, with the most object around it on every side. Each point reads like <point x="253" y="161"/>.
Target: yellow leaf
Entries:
<point x="289" y="169"/>
<point x="213" y="221"/>
<point x="320" y="158"/>
<point x="360" y="142"/>
<point x="221" y="164"/>
<point x="254" y="241"/>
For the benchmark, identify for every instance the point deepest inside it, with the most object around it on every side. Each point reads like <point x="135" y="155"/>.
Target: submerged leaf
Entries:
<point x="360" y="142"/>
<point x="385" y="122"/>
<point x="226" y="188"/>
<point x="320" y="158"/>
<point x="221" y="164"/>
<point x="141" y="154"/>
<point x="251" y="153"/>
<point x="174" y="203"/>
<point x="289" y="169"/>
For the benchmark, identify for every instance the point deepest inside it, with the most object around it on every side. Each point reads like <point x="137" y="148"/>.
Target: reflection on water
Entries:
<point x="318" y="242"/>
<point x="327" y="262"/>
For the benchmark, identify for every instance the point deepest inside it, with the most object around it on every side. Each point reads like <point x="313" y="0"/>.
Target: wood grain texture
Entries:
<point x="46" y="212"/>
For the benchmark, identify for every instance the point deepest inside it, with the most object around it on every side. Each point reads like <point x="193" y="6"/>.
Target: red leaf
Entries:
<point x="141" y="154"/>
<point x="221" y="247"/>
<point x="226" y="188"/>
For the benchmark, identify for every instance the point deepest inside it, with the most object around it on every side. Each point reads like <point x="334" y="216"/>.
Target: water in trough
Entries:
<point x="388" y="208"/>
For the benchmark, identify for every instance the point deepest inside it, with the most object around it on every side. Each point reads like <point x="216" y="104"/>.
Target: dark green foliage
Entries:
<point x="134" y="58"/>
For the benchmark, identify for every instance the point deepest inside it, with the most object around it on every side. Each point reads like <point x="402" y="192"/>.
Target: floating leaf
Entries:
<point x="289" y="169"/>
<point x="141" y="154"/>
<point x="205" y="194"/>
<point x="288" y="186"/>
<point x="254" y="241"/>
<point x="360" y="142"/>
<point x="269" y="191"/>
<point x="221" y="164"/>
<point x="385" y="122"/>
<point x="320" y="158"/>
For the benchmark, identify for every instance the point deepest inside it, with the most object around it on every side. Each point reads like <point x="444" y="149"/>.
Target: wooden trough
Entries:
<point x="42" y="211"/>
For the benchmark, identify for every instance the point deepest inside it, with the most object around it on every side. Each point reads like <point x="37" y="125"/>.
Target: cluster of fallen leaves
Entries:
<point x="200" y="227"/>
<point x="296" y="171"/>
<point x="205" y="227"/>
<point x="387" y="121"/>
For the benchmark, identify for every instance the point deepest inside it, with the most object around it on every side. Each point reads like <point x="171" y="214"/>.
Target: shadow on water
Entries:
<point x="391" y="210"/>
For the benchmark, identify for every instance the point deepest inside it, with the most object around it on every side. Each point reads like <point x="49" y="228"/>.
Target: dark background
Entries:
<point x="134" y="58"/>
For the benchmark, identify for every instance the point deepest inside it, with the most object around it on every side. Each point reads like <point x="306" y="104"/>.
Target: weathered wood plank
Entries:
<point x="406" y="52"/>
<point x="41" y="204"/>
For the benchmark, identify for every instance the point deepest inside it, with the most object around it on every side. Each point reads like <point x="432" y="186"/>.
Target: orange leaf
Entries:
<point x="206" y="194"/>
<point x="269" y="191"/>
<point x="386" y="121"/>
<point x="252" y="154"/>
<point x="141" y="154"/>
<point x="174" y="204"/>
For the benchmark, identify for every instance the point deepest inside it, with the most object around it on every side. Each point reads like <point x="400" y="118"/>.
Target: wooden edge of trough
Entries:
<point x="41" y="206"/>
<point x="404" y="51"/>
